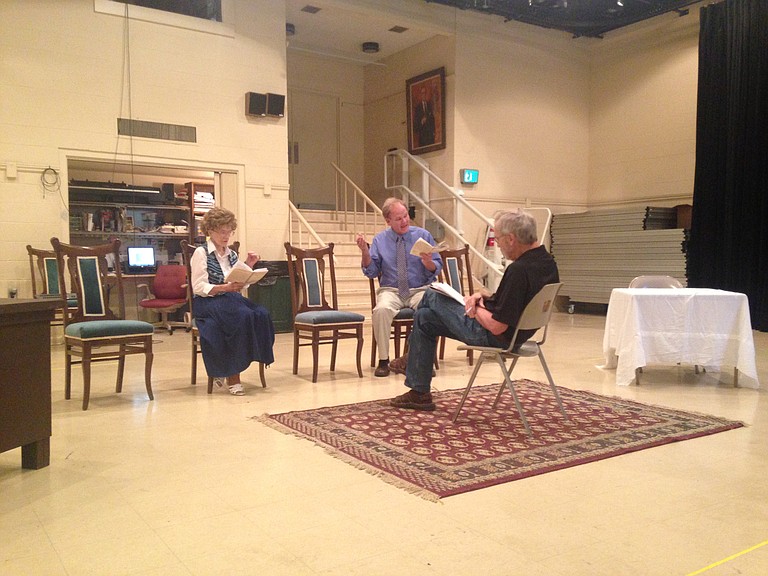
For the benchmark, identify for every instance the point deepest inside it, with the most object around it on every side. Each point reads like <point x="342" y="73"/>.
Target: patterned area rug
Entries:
<point x="425" y="453"/>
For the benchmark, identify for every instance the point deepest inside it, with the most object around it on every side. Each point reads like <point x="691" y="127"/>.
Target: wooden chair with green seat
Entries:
<point x="457" y="273"/>
<point x="186" y="254"/>
<point x="313" y="279"/>
<point x="92" y="331"/>
<point x="44" y="269"/>
<point x="402" y="324"/>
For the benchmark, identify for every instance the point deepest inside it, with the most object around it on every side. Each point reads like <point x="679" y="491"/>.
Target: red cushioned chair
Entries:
<point x="169" y="293"/>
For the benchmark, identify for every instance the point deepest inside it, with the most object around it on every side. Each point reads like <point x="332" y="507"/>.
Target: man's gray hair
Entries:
<point x="386" y="208"/>
<point x="519" y="223"/>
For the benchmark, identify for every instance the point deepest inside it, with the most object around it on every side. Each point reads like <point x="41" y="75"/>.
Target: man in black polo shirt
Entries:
<point x="485" y="319"/>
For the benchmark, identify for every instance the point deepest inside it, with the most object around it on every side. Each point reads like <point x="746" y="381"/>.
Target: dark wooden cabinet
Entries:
<point x="25" y="379"/>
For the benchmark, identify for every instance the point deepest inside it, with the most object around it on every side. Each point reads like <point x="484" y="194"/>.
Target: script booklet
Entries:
<point x="246" y="276"/>
<point x="447" y="290"/>
<point x="422" y="245"/>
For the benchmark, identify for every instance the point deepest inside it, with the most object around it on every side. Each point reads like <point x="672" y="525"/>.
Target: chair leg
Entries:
<point x="120" y="370"/>
<point x="508" y="382"/>
<point x="86" y="376"/>
<point x="442" y="348"/>
<point x="469" y="385"/>
<point x="194" y="363"/>
<point x="295" y="351"/>
<point x="210" y="384"/>
<point x="407" y="336"/>
<point x="334" y="347"/>
<point x="315" y="346"/>
<point x="503" y="384"/>
<point x="360" y="342"/>
<point x="149" y="358"/>
<point x="552" y="384"/>
<point x="470" y="356"/>
<point x="67" y="371"/>
<point x="261" y="375"/>
<point x="373" y="349"/>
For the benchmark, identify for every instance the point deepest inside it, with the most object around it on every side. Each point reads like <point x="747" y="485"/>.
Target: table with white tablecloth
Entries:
<point x="698" y="326"/>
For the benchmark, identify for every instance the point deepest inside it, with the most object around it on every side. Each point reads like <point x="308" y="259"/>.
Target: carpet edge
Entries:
<point x="269" y="421"/>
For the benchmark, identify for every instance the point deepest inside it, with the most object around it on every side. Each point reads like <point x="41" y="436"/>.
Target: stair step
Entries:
<point x="353" y="288"/>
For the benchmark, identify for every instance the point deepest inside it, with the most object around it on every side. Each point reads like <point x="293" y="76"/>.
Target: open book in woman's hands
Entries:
<point x="448" y="290"/>
<point x="422" y="246"/>
<point x="246" y="276"/>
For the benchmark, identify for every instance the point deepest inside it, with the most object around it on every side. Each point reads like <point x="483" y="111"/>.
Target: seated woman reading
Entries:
<point x="233" y="330"/>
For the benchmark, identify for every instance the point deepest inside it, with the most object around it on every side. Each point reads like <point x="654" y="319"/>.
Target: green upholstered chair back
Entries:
<point x="312" y="276"/>
<point x="93" y="285"/>
<point x="452" y="272"/>
<point x="44" y="271"/>
<point x="457" y="271"/>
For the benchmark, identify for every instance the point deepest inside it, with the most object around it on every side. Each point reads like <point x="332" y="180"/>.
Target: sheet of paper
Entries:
<point x="448" y="290"/>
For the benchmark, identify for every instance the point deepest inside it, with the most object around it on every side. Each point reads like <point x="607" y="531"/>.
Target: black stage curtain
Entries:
<point x="728" y="246"/>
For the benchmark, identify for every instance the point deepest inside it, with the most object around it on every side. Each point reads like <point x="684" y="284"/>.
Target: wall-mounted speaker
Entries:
<point x="275" y="104"/>
<point x="255" y="104"/>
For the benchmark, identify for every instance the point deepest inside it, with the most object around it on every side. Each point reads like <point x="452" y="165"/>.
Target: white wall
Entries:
<point x="522" y="119"/>
<point x="64" y="81"/>
<point x="343" y="80"/>
<point x="385" y="108"/>
<point x="642" y="126"/>
<point x="517" y="109"/>
<point x="549" y="120"/>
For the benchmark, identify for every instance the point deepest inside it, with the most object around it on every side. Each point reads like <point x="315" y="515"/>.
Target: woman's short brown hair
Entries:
<point x="218" y="218"/>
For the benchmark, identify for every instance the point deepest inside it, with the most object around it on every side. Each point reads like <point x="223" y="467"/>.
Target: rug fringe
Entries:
<point x="351" y="460"/>
<point x="654" y="405"/>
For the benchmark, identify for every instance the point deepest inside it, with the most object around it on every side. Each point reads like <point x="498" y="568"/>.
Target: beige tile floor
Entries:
<point x="189" y="484"/>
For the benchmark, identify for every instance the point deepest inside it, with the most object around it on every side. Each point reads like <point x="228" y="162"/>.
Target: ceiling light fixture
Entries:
<point x="620" y="3"/>
<point x="370" y="47"/>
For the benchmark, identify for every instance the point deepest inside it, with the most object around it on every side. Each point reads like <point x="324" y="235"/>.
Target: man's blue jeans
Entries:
<point x="439" y="315"/>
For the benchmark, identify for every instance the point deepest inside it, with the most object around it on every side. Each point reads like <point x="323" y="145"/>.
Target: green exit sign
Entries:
<point x="469" y="175"/>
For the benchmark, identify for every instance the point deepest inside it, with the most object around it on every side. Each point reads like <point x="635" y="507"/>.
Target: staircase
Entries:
<point x="353" y="288"/>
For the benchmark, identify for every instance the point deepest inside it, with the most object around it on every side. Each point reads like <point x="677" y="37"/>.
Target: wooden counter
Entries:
<point x="25" y="379"/>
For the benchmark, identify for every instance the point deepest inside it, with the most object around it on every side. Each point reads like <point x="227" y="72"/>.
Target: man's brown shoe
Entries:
<point x="382" y="369"/>
<point x="398" y="365"/>
<point x="414" y="400"/>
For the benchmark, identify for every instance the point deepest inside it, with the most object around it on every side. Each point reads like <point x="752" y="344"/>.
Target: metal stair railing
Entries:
<point x="405" y="161"/>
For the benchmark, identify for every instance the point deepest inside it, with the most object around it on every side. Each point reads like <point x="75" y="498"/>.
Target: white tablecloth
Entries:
<point x="700" y="326"/>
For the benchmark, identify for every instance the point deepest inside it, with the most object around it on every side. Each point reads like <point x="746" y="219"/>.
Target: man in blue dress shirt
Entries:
<point x="403" y="278"/>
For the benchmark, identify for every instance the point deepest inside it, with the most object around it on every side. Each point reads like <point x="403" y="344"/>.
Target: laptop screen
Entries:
<point x="141" y="257"/>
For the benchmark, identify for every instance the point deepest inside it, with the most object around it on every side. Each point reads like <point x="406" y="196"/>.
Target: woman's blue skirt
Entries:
<point x="233" y="333"/>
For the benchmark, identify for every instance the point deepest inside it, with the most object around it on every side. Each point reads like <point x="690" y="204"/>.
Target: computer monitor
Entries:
<point x="141" y="259"/>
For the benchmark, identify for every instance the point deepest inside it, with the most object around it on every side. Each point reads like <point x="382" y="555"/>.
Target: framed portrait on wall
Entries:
<point x="425" y="102"/>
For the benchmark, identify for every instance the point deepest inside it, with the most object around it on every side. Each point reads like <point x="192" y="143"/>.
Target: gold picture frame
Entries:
<point x="425" y="103"/>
